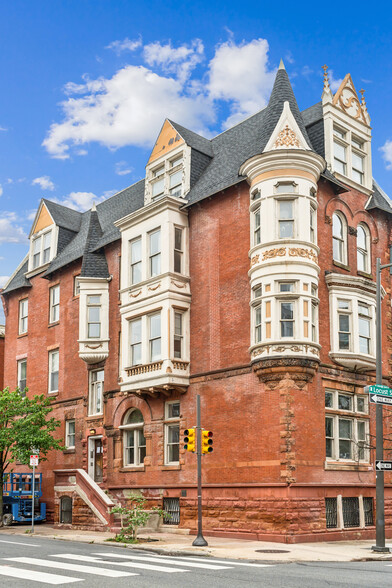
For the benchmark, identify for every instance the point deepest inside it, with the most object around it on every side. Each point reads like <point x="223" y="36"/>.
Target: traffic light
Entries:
<point x="206" y="441"/>
<point x="190" y="440"/>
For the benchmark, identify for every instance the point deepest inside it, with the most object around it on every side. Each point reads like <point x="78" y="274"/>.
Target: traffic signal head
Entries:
<point x="190" y="440"/>
<point x="206" y="441"/>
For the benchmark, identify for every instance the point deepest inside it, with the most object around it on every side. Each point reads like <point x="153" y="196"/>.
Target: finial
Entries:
<point x="281" y="65"/>
<point x="327" y="93"/>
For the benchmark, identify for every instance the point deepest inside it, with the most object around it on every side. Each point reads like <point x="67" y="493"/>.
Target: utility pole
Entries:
<point x="199" y="541"/>
<point x="380" y="507"/>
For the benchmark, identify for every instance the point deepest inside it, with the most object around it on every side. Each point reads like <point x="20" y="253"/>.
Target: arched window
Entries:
<point x="134" y="442"/>
<point x="363" y="248"/>
<point x="339" y="232"/>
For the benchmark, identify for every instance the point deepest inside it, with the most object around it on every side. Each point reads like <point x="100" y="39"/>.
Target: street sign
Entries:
<point x="378" y="399"/>
<point x="379" y="389"/>
<point x="383" y="465"/>
<point x="33" y="460"/>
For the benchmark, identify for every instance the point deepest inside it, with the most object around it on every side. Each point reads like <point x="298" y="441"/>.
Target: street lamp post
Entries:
<point x="380" y="508"/>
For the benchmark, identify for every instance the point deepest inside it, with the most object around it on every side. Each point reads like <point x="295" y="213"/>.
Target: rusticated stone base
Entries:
<point x="82" y="515"/>
<point x="274" y="369"/>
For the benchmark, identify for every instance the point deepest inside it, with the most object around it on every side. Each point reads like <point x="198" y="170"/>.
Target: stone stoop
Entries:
<point x="91" y="506"/>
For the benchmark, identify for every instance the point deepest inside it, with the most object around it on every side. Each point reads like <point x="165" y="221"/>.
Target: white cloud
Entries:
<point x="127" y="109"/>
<point x="306" y="71"/>
<point x="43" y="182"/>
<point x="240" y="75"/>
<point x="10" y="231"/>
<point x="334" y="84"/>
<point x="386" y="150"/>
<point x="1" y="190"/>
<point x="83" y="201"/>
<point x="289" y="57"/>
<point x="125" y="45"/>
<point x="3" y="129"/>
<point x="3" y="280"/>
<point x="122" y="168"/>
<point x="180" y="61"/>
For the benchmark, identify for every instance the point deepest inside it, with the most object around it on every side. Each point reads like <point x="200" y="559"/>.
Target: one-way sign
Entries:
<point x="383" y="465"/>
<point x="377" y="399"/>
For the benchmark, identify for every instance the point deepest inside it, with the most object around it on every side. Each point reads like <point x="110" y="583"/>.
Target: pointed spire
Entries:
<point x="364" y="107"/>
<point x="281" y="92"/>
<point x="327" y="95"/>
<point x="281" y="65"/>
<point x="93" y="208"/>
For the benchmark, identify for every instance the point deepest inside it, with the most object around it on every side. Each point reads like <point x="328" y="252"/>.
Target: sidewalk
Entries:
<point x="180" y="544"/>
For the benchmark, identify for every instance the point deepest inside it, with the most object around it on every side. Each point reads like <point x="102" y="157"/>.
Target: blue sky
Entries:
<point x="87" y="84"/>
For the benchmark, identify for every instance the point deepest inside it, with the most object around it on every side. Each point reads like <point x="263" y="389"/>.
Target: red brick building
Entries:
<point x="2" y="342"/>
<point x="242" y="269"/>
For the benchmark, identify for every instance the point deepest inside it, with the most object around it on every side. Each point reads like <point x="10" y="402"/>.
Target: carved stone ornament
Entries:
<point x="282" y="251"/>
<point x="300" y="370"/>
<point x="178" y="284"/>
<point x="135" y="294"/>
<point x="328" y="220"/>
<point x="286" y="138"/>
<point x="352" y="231"/>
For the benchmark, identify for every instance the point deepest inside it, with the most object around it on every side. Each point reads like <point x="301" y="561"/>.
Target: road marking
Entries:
<point x="36" y="576"/>
<point x="170" y="561"/>
<point x="127" y="564"/>
<point x="18" y="543"/>
<point x="229" y="563"/>
<point x="69" y="566"/>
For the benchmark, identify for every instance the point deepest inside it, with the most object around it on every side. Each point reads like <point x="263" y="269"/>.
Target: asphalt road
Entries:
<point x="32" y="561"/>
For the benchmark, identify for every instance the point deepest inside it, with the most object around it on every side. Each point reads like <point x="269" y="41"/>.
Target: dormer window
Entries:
<point x="158" y="185"/>
<point x="349" y="155"/>
<point x="41" y="247"/>
<point x="167" y="178"/>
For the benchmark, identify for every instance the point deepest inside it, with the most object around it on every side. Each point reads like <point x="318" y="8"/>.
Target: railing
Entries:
<point x="144" y="369"/>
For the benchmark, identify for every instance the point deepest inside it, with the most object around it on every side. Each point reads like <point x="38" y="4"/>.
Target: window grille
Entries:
<point x="368" y="511"/>
<point x="66" y="510"/>
<point x="351" y="512"/>
<point x="331" y="513"/>
<point x="171" y="506"/>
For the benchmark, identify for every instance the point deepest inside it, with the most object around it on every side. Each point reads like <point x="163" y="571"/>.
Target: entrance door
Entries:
<point x="95" y="461"/>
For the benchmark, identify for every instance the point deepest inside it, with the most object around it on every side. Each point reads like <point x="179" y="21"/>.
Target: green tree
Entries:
<point x="24" y="425"/>
<point x="133" y="517"/>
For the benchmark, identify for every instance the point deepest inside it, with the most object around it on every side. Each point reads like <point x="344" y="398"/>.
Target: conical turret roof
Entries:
<point x="281" y="92"/>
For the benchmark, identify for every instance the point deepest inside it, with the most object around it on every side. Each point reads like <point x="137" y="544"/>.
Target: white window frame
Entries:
<point x="291" y="220"/>
<point x="41" y="252"/>
<point x="257" y="227"/>
<point x="23" y="316"/>
<point x="54" y="304"/>
<point x="51" y="355"/>
<point x="135" y="343"/>
<point x="313" y="223"/>
<point x="95" y="396"/>
<point x="282" y="320"/>
<point x="152" y="339"/>
<point x="69" y="435"/>
<point x="138" y="446"/>
<point x="171" y="423"/>
<point x="90" y="305"/>
<point x="178" y="336"/>
<point x="22" y="362"/>
<point x="357" y="418"/>
<point x="340" y="240"/>
<point x="364" y="253"/>
<point x="353" y="146"/>
<point x="178" y="255"/>
<point x="137" y="263"/>
<point x="153" y="255"/>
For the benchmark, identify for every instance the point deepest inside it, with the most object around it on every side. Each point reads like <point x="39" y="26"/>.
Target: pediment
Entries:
<point x="43" y="219"/>
<point x="168" y="139"/>
<point x="287" y="134"/>
<point x="347" y="100"/>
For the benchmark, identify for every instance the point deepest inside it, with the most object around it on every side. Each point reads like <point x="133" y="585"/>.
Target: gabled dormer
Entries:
<point x="347" y="134"/>
<point x="177" y="160"/>
<point x="43" y="240"/>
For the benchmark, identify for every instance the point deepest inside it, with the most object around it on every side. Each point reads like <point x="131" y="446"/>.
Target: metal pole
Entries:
<point x="380" y="508"/>
<point x="32" y="500"/>
<point x="199" y="541"/>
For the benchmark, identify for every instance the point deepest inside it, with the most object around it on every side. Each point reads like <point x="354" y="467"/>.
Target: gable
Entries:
<point x="43" y="220"/>
<point x="346" y="99"/>
<point x="168" y="140"/>
<point x="287" y="134"/>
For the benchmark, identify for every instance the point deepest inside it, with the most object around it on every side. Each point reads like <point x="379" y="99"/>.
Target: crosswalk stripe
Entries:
<point x="68" y="566"/>
<point x="169" y="560"/>
<point x="224" y="561"/>
<point x="126" y="564"/>
<point x="24" y="574"/>
<point x="19" y="543"/>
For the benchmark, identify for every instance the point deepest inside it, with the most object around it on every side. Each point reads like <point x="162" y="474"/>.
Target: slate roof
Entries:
<point x="214" y="167"/>
<point x="19" y="280"/>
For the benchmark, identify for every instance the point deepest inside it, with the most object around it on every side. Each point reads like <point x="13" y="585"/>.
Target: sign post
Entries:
<point x="34" y="459"/>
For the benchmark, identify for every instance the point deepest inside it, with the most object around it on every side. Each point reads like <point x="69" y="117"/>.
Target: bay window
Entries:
<point x="178" y="335"/>
<point x="178" y="250"/>
<point x="155" y="253"/>
<point x="256" y="229"/>
<point x="155" y="336"/>
<point x="287" y="319"/>
<point x="136" y="261"/>
<point x="93" y="316"/>
<point x="286" y="219"/>
<point x="136" y="341"/>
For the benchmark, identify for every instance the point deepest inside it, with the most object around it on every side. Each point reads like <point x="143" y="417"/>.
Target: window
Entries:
<point x="346" y="431"/>
<point x="257" y="291"/>
<point x="256" y="195"/>
<point x="348" y="510"/>
<point x="357" y="162"/>
<point x="344" y="318"/>
<point x="285" y="188"/>
<point x="314" y="313"/>
<point x="178" y="250"/>
<point x="22" y="371"/>
<point x="256" y="231"/>
<point x="312" y="224"/>
<point x="349" y="154"/>
<point x="178" y="336"/>
<point x="41" y="248"/>
<point x="364" y="327"/>
<point x="257" y="315"/>
<point x="155" y="253"/>
<point x="158" y="186"/>
<point x="54" y="304"/>
<point x="338" y="238"/>
<point x="286" y="286"/>
<point x="76" y="286"/>
<point x="175" y="178"/>
<point x="172" y="432"/>
<point x="70" y="434"/>
<point x="133" y="438"/>
<point x="155" y="336"/>
<point x="136" y="341"/>
<point x="287" y="319"/>
<point x="136" y="261"/>
<point x="363" y="249"/>
<point x="23" y="315"/>
<point x="286" y="219"/>
<point x="96" y="391"/>
<point x="94" y="316"/>
<point x="53" y="371"/>
<point x="340" y="158"/>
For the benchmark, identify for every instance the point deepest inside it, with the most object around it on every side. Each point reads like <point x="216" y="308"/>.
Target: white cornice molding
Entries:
<point x="150" y="210"/>
<point x="297" y="159"/>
